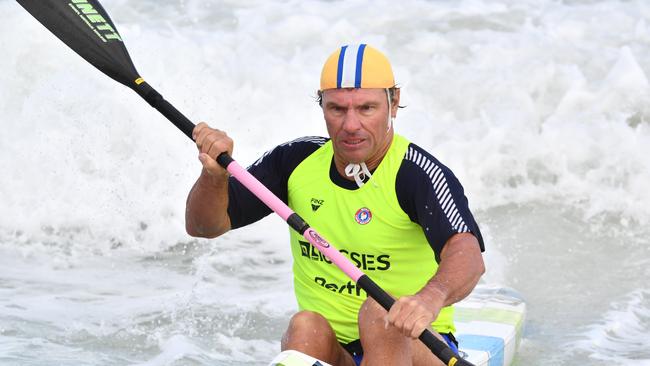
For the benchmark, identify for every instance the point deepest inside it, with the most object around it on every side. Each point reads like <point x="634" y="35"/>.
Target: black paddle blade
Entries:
<point x="85" y="27"/>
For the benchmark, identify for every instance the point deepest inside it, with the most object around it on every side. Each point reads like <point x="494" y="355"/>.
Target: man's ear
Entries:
<point x="395" y="102"/>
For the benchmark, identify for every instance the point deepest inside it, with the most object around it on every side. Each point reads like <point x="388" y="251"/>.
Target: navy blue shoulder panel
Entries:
<point x="431" y="195"/>
<point x="273" y="170"/>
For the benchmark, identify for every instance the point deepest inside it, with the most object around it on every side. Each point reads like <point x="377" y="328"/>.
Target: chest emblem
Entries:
<point x="316" y="203"/>
<point x="363" y="216"/>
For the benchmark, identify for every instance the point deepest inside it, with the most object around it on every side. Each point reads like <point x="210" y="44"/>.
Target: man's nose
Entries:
<point x="351" y="121"/>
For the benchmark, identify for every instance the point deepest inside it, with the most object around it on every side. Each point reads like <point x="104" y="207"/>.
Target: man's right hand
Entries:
<point x="211" y="143"/>
<point x="206" y="213"/>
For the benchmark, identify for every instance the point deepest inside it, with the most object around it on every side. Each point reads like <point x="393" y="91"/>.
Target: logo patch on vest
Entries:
<point x="363" y="216"/>
<point x="316" y="203"/>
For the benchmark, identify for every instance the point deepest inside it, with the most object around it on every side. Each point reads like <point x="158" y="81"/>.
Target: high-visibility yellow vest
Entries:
<point x="370" y="228"/>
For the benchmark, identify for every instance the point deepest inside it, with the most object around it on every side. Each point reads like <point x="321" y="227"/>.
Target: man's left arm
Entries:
<point x="431" y="195"/>
<point x="460" y="268"/>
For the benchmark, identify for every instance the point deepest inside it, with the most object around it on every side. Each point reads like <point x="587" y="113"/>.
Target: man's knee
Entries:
<point x="312" y="334"/>
<point x="306" y="326"/>
<point x="387" y="344"/>
<point x="308" y="319"/>
<point x="371" y="314"/>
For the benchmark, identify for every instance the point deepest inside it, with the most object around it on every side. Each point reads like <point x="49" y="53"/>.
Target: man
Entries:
<point x="385" y="203"/>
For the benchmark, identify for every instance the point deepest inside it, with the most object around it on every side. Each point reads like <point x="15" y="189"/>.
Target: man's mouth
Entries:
<point x="353" y="142"/>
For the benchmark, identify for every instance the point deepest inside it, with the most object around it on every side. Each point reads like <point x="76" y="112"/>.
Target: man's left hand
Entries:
<point x="413" y="314"/>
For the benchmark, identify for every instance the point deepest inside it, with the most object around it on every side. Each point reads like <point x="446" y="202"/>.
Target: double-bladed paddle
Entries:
<point x="87" y="29"/>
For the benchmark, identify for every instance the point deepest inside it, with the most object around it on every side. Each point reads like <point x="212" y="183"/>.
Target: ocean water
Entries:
<point x="541" y="108"/>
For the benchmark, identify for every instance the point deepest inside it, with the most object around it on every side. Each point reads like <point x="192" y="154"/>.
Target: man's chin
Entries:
<point x="353" y="159"/>
<point x="355" y="156"/>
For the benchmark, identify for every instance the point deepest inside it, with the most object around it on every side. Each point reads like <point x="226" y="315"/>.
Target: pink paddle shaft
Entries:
<point x="284" y="211"/>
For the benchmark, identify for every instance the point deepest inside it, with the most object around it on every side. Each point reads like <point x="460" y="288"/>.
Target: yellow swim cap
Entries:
<point x="357" y="66"/>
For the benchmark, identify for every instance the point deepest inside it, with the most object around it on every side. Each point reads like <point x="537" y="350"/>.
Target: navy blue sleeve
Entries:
<point x="273" y="170"/>
<point x="431" y="195"/>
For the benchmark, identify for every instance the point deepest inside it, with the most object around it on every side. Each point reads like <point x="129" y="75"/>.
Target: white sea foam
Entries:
<point x="551" y="104"/>
<point x="622" y="334"/>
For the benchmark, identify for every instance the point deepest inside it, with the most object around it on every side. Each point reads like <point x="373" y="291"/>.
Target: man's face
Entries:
<point x="357" y="122"/>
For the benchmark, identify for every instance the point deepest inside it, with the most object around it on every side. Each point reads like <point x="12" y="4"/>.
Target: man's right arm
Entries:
<point x="206" y="211"/>
<point x="217" y="203"/>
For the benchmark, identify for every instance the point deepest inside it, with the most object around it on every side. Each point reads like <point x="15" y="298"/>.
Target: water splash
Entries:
<point x="622" y="334"/>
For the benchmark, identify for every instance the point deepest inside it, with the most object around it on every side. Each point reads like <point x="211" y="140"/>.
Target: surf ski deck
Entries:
<point x="489" y="325"/>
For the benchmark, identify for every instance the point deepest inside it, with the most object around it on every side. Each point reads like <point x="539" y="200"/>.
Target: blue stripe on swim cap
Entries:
<point x="339" y="70"/>
<point x="357" y="76"/>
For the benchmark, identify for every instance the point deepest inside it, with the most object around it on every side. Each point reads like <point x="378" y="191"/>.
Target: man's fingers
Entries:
<point x="419" y="326"/>
<point x="409" y="324"/>
<point x="393" y="314"/>
<point x="214" y="148"/>
<point x="197" y="130"/>
<point x="409" y="317"/>
<point x="205" y="142"/>
<point x="210" y="165"/>
<point x="211" y="141"/>
<point x="398" y="314"/>
<point x="203" y="137"/>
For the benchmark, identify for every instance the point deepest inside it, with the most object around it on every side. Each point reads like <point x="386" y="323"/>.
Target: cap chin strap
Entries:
<point x="390" y="111"/>
<point x="359" y="172"/>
